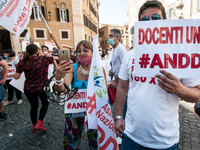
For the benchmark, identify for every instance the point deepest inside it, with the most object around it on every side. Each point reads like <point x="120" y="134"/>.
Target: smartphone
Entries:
<point x="64" y="54"/>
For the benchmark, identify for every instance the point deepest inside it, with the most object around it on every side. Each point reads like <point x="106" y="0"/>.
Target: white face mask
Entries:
<point x="108" y="52"/>
<point x="44" y="52"/>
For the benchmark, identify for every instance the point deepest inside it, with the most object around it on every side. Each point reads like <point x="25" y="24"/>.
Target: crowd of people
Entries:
<point x="146" y="114"/>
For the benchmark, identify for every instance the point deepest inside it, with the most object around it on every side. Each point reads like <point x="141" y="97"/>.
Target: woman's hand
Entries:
<point x="63" y="68"/>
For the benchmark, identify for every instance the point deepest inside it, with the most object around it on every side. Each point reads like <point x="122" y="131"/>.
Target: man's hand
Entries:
<point x="113" y="84"/>
<point x="2" y="81"/>
<point x="111" y="73"/>
<point x="170" y="83"/>
<point x="119" y="127"/>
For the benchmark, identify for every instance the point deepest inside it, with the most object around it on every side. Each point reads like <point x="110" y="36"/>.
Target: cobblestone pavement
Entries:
<point x="16" y="134"/>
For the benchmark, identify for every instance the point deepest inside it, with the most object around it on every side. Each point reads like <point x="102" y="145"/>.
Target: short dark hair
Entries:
<point x="44" y="46"/>
<point x="10" y="52"/>
<point x="153" y="3"/>
<point x="117" y="33"/>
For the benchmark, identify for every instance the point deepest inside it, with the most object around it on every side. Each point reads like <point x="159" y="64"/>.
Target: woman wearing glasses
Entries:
<point x="76" y="75"/>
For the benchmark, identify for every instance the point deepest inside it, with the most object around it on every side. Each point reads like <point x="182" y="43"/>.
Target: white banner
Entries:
<point x="171" y="45"/>
<point x="15" y="15"/>
<point x="24" y="44"/>
<point x="50" y="45"/>
<point x="76" y="104"/>
<point x="98" y="109"/>
<point x="19" y="83"/>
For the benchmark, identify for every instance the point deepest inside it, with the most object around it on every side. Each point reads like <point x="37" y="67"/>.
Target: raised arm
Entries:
<point x="53" y="37"/>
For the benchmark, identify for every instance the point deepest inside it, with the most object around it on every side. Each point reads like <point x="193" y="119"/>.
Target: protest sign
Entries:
<point x="15" y="15"/>
<point x="24" y="44"/>
<point x="171" y="45"/>
<point x="76" y="104"/>
<point x="19" y="83"/>
<point x="98" y="109"/>
<point x="50" y="45"/>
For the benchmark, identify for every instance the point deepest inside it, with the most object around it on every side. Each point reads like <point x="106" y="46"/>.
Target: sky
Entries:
<point x="113" y="11"/>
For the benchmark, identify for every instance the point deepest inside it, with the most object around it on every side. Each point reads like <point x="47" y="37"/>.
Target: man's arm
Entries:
<point x="5" y="71"/>
<point x="120" y="101"/>
<point x="172" y="85"/>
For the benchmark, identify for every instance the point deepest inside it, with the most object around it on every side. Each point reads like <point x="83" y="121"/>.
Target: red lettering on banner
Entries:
<point x="194" y="56"/>
<point x="154" y="32"/>
<point x="98" y="113"/>
<point x="13" y="8"/>
<point x="162" y="32"/>
<point x="156" y="61"/>
<point x="189" y="40"/>
<point x="168" y="59"/>
<point x="180" y="62"/>
<point x="107" y="110"/>
<point x="196" y="35"/>
<point x="153" y="81"/>
<point x="74" y="106"/>
<point x="91" y="104"/>
<point x="110" y="140"/>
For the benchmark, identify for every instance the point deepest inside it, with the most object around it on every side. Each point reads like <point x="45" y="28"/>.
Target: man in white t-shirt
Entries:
<point x="152" y="115"/>
<point x="118" y="54"/>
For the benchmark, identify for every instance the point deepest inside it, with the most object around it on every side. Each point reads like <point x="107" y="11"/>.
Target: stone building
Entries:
<point x="105" y="30"/>
<point x="69" y="20"/>
<point x="175" y="9"/>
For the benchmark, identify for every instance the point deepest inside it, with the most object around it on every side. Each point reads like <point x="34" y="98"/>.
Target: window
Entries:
<point x="102" y="32"/>
<point x="132" y="30"/>
<point x="63" y="15"/>
<point x="91" y="38"/>
<point x="39" y="33"/>
<point x="85" y="36"/>
<point x="36" y="14"/>
<point x="23" y="33"/>
<point x="105" y="41"/>
<point x="65" y="34"/>
<point x="198" y="5"/>
<point x="88" y="37"/>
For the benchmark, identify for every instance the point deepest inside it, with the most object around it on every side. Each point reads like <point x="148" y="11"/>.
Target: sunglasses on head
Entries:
<point x="154" y="17"/>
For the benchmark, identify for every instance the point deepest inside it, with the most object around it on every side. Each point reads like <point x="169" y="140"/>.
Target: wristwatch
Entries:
<point x="118" y="117"/>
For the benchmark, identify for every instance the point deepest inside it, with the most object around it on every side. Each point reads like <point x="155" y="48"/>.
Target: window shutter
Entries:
<point x="42" y="7"/>
<point x="58" y="14"/>
<point x="67" y="11"/>
<point x="32" y="15"/>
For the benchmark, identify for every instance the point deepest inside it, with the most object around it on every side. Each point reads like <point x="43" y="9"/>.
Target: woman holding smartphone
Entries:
<point x="35" y="68"/>
<point x="76" y="75"/>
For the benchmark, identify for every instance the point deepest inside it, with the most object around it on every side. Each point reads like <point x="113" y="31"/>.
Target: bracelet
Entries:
<point x="59" y="84"/>
<point x="59" y="80"/>
<point x="119" y="117"/>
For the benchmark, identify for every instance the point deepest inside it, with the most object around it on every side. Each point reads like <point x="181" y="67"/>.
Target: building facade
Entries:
<point x="105" y="30"/>
<point x="69" y="20"/>
<point x="175" y="9"/>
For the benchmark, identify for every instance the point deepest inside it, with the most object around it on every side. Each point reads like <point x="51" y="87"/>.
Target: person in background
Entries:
<point x="12" y="62"/>
<point x="107" y="52"/>
<point x="19" y="56"/>
<point x="151" y="121"/>
<point x="3" y="76"/>
<point x="35" y="68"/>
<point x="73" y="55"/>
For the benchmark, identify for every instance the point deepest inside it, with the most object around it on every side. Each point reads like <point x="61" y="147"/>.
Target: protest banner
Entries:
<point x="24" y="44"/>
<point x="171" y="45"/>
<point x="15" y="15"/>
<point x="19" y="83"/>
<point x="98" y="109"/>
<point x="76" y="104"/>
<point x="50" y="45"/>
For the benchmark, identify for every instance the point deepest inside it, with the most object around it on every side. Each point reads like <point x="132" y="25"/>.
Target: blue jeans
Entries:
<point x="1" y="94"/>
<point x="128" y="144"/>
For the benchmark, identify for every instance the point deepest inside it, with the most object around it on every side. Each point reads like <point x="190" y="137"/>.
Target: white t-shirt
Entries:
<point x="12" y="68"/>
<point x="117" y="57"/>
<point x="152" y="113"/>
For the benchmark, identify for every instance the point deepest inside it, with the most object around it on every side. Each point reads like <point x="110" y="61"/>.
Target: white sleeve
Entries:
<point x="190" y="82"/>
<point x="122" y="53"/>
<point x="15" y="61"/>
<point x="123" y="73"/>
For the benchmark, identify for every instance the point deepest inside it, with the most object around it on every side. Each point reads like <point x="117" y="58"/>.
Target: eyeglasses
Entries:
<point x="154" y="17"/>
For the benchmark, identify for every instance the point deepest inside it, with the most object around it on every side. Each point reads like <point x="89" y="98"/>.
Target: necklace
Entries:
<point x="83" y="72"/>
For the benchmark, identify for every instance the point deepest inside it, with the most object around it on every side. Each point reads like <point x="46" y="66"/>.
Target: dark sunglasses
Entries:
<point x="154" y="17"/>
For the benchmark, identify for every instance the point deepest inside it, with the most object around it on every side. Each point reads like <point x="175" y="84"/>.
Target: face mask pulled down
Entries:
<point x="85" y="60"/>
